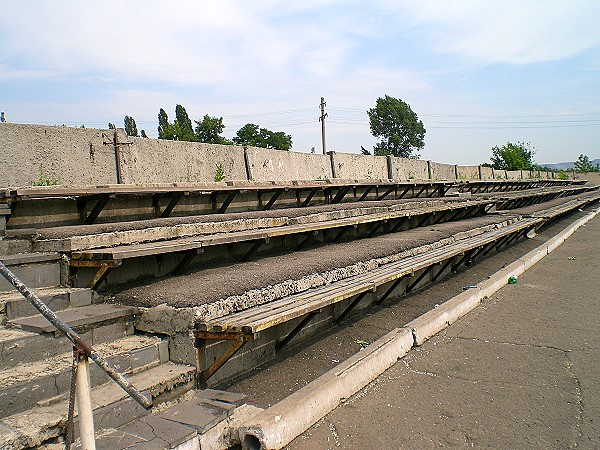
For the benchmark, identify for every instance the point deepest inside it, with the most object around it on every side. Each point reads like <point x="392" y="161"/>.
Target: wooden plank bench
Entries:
<point x="105" y="259"/>
<point x="91" y="200"/>
<point x="244" y="326"/>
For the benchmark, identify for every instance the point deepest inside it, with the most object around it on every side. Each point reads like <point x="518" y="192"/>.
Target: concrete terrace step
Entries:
<point x="187" y="423"/>
<point x="14" y="305"/>
<point x="112" y="407"/>
<point x="36" y="270"/>
<point x="42" y="382"/>
<point x="86" y="317"/>
<point x="83" y="237"/>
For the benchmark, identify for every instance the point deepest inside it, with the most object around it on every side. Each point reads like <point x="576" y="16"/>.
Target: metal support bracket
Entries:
<point x="239" y="340"/>
<point x="103" y="269"/>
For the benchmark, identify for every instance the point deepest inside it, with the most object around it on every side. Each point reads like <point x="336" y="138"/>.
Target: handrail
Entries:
<point x="75" y="339"/>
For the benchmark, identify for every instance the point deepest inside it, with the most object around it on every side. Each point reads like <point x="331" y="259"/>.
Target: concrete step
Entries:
<point x="11" y="246"/>
<point x="96" y="324"/>
<point x="80" y="319"/>
<point x="14" y="305"/>
<point x="47" y="381"/>
<point x="112" y="407"/>
<point x="36" y="270"/>
<point x="200" y="421"/>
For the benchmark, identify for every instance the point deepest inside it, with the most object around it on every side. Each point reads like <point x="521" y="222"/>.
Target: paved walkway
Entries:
<point x="520" y="371"/>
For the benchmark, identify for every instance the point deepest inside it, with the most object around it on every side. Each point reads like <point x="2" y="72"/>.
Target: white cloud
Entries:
<point x="511" y="31"/>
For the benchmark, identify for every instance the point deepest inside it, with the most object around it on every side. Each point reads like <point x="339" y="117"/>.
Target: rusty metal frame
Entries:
<point x="239" y="340"/>
<point x="103" y="269"/>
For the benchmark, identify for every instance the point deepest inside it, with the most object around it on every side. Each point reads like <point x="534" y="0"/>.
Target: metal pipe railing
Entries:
<point x="75" y="339"/>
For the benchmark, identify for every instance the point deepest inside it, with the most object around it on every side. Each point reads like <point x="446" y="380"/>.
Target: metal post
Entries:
<point x="322" y="119"/>
<point x="84" y="404"/>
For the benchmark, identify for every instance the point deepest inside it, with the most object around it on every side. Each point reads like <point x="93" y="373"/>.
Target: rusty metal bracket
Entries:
<point x="103" y="269"/>
<point x="239" y="340"/>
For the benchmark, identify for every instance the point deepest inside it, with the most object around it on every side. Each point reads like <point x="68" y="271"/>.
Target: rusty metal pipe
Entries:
<point x="72" y="336"/>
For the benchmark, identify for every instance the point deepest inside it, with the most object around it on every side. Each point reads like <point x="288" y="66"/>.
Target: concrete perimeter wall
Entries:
<point x="441" y="171"/>
<point x="468" y="172"/>
<point x="275" y="165"/>
<point x="409" y="169"/>
<point x="72" y="155"/>
<point x="359" y="167"/>
<point x="80" y="156"/>
<point x="159" y="161"/>
<point x="487" y="173"/>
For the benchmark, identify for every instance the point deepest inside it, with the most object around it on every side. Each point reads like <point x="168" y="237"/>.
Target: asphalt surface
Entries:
<point x="520" y="371"/>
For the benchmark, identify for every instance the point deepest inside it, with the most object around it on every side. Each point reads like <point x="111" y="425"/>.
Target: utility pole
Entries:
<point x="322" y="120"/>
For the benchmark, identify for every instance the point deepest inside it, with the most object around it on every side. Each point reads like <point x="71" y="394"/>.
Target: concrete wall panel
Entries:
<point x="441" y="171"/>
<point x="408" y="169"/>
<point x="161" y="161"/>
<point x="277" y="165"/>
<point x="357" y="167"/>
<point x="468" y="172"/>
<point x="75" y="156"/>
<point x="513" y="174"/>
<point x="487" y="173"/>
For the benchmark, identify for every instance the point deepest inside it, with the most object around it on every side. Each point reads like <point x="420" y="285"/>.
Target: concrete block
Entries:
<point x="404" y="169"/>
<point x="360" y="167"/>
<point x="155" y="430"/>
<point x="198" y="413"/>
<point x="467" y="172"/>
<point x="34" y="274"/>
<point x="17" y="346"/>
<point x="115" y="414"/>
<point x="80" y="297"/>
<point x="74" y="156"/>
<point x="17" y="398"/>
<point x="441" y="171"/>
<point x="268" y="164"/>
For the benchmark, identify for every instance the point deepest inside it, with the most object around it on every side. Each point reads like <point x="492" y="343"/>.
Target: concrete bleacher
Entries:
<point x="160" y="356"/>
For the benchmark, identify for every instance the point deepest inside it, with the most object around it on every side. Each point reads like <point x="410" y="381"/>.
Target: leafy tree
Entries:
<point x="130" y="126"/>
<point x="209" y="130"/>
<point x="164" y="127"/>
<point x="252" y="134"/>
<point x="583" y="164"/>
<point x="183" y="125"/>
<point x="397" y="126"/>
<point x="511" y="156"/>
<point x="143" y="134"/>
<point x="111" y="126"/>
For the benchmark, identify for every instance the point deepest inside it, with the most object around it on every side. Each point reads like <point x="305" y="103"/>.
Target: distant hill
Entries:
<point x="567" y="165"/>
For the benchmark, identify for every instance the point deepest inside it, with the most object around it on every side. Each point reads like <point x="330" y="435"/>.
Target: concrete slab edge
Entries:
<point x="278" y="425"/>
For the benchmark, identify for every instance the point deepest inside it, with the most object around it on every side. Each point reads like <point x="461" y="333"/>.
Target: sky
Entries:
<point x="477" y="73"/>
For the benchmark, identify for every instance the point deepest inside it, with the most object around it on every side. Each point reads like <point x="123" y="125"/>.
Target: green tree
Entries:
<point x="511" y="156"/>
<point x="252" y="134"/>
<point x="179" y="130"/>
<point x="397" y="126"/>
<point x="130" y="126"/>
<point x="209" y="130"/>
<point x="583" y="164"/>
<point x="164" y="127"/>
<point x="183" y="125"/>
<point x="143" y="134"/>
<point x="111" y="126"/>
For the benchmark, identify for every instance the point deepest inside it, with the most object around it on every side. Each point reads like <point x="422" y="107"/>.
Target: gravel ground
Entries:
<point x="215" y="283"/>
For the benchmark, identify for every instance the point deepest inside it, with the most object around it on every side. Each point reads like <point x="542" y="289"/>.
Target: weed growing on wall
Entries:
<point x="219" y="172"/>
<point x="43" y="180"/>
